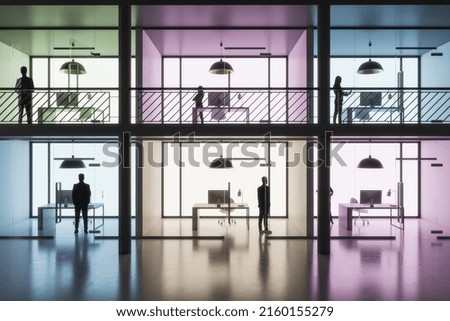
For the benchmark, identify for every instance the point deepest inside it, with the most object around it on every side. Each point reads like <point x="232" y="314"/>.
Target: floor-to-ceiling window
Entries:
<point x="96" y="89"/>
<point x="400" y="164"/>
<point x="101" y="172"/>
<point x="396" y="87"/>
<point x="247" y="88"/>
<point x="188" y="177"/>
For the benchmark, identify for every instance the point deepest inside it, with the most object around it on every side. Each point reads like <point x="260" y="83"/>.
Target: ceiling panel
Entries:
<point x="224" y="16"/>
<point x="390" y="16"/>
<point x="198" y="26"/>
<point x="58" y="16"/>
<point x="207" y="42"/>
<point x="42" y="42"/>
<point x="385" y="42"/>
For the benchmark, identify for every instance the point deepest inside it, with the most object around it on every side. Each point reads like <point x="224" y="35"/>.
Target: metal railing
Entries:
<point x="55" y="106"/>
<point x="292" y="106"/>
<point x="235" y="106"/>
<point x="396" y="106"/>
<point x="222" y="106"/>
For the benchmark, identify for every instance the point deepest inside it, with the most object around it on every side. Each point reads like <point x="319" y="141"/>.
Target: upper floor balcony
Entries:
<point x="218" y="106"/>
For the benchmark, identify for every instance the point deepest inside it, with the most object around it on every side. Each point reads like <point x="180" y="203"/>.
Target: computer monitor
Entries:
<point x="218" y="196"/>
<point x="370" y="99"/>
<point x="65" y="99"/>
<point x="64" y="196"/>
<point x="218" y="99"/>
<point x="370" y="196"/>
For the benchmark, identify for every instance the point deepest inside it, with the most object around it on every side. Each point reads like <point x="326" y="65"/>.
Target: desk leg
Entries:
<point x="349" y="115"/>
<point x="248" y="218"/>
<point x="194" y="219"/>
<point x="400" y="219"/>
<point x="46" y="221"/>
<point x="349" y="219"/>
<point x="94" y="229"/>
<point x="40" y="218"/>
<point x="345" y="217"/>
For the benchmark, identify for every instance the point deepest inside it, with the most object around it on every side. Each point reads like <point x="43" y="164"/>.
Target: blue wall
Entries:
<point x="434" y="73"/>
<point x="435" y="69"/>
<point x="15" y="181"/>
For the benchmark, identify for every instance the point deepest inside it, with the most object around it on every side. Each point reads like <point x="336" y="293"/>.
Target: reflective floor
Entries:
<point x="244" y="265"/>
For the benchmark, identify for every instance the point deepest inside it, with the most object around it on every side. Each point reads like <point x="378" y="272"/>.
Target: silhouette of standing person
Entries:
<point x="338" y="99"/>
<point x="24" y="89"/>
<point x="264" y="206"/>
<point x="81" y="196"/>
<point x="331" y="216"/>
<point x="198" y="98"/>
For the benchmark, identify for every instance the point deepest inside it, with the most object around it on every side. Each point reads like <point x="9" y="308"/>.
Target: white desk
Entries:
<point x="206" y="206"/>
<point x="48" y="214"/>
<point x="362" y="113"/>
<point x="218" y="111"/>
<point x="65" y="114"/>
<point x="346" y="213"/>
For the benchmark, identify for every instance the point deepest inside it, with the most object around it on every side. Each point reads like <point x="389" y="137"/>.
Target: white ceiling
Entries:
<point x="272" y="26"/>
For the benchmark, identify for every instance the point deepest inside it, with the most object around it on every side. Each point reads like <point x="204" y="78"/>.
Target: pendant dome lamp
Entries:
<point x="221" y="163"/>
<point x="72" y="162"/>
<point x="72" y="68"/>
<point x="221" y="67"/>
<point x="370" y="162"/>
<point x="370" y="67"/>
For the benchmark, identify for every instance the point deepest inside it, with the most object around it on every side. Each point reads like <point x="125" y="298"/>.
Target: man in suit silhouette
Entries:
<point x="264" y="206"/>
<point x="25" y="88"/>
<point x="81" y="196"/>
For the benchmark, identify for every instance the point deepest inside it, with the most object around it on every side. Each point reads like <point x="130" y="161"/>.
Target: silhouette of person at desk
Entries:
<point x="24" y="89"/>
<point x="81" y="196"/>
<point x="338" y="99"/>
<point x="264" y="206"/>
<point x="198" y="98"/>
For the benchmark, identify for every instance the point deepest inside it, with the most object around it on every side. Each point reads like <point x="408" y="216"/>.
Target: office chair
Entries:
<point x="355" y="201"/>
<point x="225" y="211"/>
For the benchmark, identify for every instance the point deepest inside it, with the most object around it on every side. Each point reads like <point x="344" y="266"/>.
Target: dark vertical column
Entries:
<point x="139" y="146"/>
<point x="323" y="231"/>
<point x="139" y="63"/>
<point x="308" y="156"/>
<point x="323" y="64"/>
<point x="310" y="143"/>
<point x="124" y="64"/>
<point x="138" y="186"/>
<point x="323" y="199"/>
<point x="310" y="73"/>
<point x="124" y="121"/>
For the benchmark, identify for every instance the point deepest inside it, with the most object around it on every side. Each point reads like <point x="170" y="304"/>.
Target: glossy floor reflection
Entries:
<point x="245" y="265"/>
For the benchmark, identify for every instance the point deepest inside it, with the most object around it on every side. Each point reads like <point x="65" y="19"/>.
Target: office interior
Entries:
<point x="267" y="118"/>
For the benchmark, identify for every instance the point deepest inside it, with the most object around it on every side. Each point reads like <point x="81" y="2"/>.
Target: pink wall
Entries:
<point x="436" y="183"/>
<point x="298" y="63"/>
<point x="298" y="78"/>
<point x="151" y="77"/>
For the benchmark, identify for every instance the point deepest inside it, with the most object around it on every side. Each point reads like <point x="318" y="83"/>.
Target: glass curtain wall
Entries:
<point x="101" y="173"/>
<point x="188" y="178"/>
<point x="347" y="180"/>
<point x="102" y="75"/>
<point x="386" y="83"/>
<point x="247" y="86"/>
